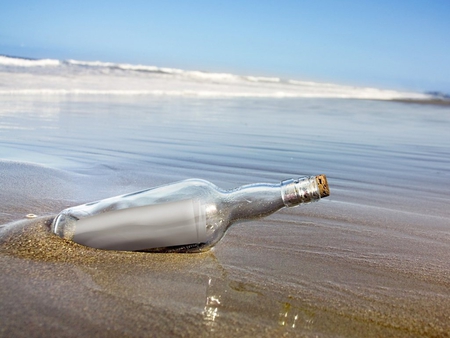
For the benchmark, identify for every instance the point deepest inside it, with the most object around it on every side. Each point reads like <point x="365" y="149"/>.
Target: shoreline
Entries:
<point x="436" y="102"/>
<point x="370" y="260"/>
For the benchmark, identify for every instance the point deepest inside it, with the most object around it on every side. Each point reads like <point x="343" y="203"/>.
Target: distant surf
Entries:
<point x="22" y="76"/>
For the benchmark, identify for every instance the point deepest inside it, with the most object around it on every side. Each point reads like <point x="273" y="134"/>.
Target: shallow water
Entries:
<point x="372" y="259"/>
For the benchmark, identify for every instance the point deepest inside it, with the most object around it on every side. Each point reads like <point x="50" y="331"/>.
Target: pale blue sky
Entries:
<point x="391" y="44"/>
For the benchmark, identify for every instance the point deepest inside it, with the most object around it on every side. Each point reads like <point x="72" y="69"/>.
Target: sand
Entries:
<point x="371" y="260"/>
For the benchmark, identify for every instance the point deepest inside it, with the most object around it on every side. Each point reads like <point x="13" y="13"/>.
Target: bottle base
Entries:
<point x="64" y="226"/>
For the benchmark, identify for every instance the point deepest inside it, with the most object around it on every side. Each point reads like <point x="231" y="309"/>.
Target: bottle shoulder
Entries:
<point x="187" y="189"/>
<point x="198" y="182"/>
<point x="180" y="185"/>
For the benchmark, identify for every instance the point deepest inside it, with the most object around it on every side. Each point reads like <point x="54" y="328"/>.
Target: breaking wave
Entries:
<point x="22" y="76"/>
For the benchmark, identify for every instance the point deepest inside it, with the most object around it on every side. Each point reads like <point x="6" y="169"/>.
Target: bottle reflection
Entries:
<point x="219" y="299"/>
<point x="286" y="317"/>
<point x="212" y="304"/>
<point x="225" y="296"/>
<point x="292" y="317"/>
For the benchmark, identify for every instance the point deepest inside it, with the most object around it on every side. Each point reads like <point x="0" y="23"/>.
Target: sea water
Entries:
<point x="54" y="77"/>
<point x="378" y="249"/>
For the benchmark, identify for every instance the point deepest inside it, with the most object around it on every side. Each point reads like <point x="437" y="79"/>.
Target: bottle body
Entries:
<point x="187" y="216"/>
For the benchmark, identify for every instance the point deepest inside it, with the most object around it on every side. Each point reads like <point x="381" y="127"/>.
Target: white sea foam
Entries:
<point x="262" y="79"/>
<point x="186" y="93"/>
<point x="19" y="62"/>
<point x="172" y="71"/>
<point x="73" y="77"/>
<point x="381" y="95"/>
<point x="123" y="66"/>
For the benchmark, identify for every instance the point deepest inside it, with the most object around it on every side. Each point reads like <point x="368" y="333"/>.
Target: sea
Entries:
<point x="372" y="259"/>
<point x="21" y="76"/>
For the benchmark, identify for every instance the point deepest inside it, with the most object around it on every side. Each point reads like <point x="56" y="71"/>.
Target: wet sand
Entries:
<point x="371" y="260"/>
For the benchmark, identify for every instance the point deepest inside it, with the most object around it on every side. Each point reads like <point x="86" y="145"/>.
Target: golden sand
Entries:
<point x="54" y="284"/>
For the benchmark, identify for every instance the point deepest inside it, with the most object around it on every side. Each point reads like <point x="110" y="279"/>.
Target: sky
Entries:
<point x="390" y="44"/>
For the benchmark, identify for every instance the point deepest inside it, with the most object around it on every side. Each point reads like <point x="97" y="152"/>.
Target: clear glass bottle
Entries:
<point x="187" y="216"/>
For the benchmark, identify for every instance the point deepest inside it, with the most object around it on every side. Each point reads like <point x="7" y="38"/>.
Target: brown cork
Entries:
<point x="323" y="185"/>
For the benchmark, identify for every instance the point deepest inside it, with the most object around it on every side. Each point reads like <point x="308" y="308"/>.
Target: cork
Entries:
<point x="323" y="185"/>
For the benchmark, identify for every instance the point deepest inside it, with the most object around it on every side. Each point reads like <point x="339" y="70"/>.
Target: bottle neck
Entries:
<point x="260" y="200"/>
<point x="254" y="201"/>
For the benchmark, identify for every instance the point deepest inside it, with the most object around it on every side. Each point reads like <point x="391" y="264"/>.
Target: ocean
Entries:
<point x="370" y="260"/>
<point x="72" y="77"/>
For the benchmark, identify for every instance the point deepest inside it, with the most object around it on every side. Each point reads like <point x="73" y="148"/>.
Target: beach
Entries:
<point x="372" y="259"/>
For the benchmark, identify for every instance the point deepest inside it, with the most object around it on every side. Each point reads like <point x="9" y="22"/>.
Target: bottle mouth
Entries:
<point x="304" y="190"/>
<point x="322" y="183"/>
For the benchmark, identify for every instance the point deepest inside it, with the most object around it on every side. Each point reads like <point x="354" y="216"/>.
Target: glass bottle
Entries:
<point x="187" y="216"/>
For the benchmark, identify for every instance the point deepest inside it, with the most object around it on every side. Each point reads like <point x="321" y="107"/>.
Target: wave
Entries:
<point x="175" y="71"/>
<point x="185" y="93"/>
<point x="21" y="62"/>
<point x="370" y="95"/>
<point x="22" y="76"/>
